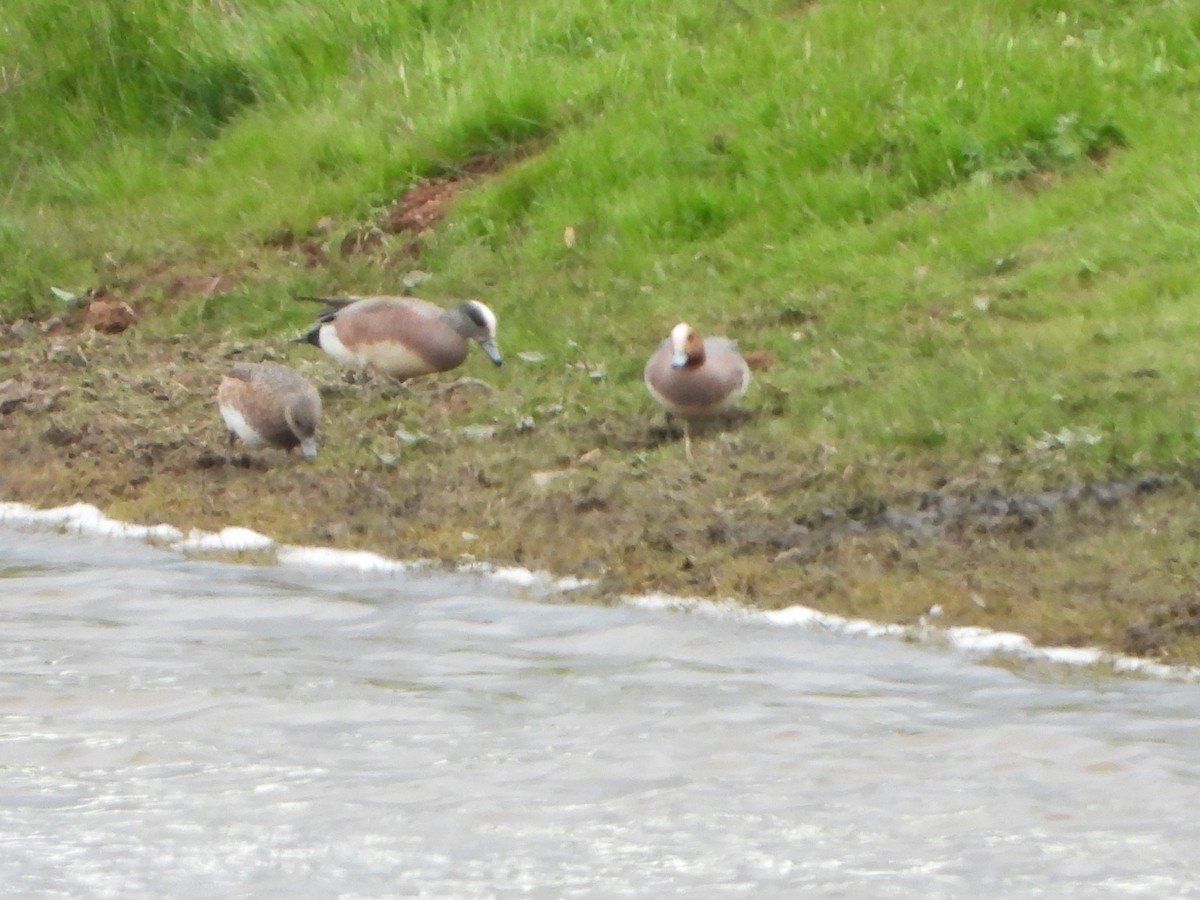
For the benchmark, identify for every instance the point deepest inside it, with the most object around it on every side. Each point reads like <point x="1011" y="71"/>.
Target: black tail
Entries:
<point x="312" y="336"/>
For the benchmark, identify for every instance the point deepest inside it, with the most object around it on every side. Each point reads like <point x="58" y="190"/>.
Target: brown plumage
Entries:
<point x="268" y="405"/>
<point x="694" y="377"/>
<point x="402" y="337"/>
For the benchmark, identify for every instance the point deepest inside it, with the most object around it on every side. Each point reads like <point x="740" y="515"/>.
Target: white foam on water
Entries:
<point x="984" y="640"/>
<point x="977" y="642"/>
<point x="83" y="518"/>
<point x="810" y="618"/>
<point x="508" y="574"/>
<point x="1073" y="656"/>
<point x="331" y="558"/>
<point x="231" y="539"/>
<point x="521" y="577"/>
<point x="369" y="561"/>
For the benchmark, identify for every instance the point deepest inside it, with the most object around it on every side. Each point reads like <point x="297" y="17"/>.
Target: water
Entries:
<point x="173" y="727"/>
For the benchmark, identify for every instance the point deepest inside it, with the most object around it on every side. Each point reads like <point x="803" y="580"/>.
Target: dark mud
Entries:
<point x="937" y="513"/>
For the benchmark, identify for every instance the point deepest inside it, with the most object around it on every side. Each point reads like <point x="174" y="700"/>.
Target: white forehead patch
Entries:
<point x="679" y="335"/>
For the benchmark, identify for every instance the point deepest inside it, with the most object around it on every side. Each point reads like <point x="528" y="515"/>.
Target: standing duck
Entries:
<point x="268" y="405"/>
<point x="402" y="337"/>
<point x="694" y="377"/>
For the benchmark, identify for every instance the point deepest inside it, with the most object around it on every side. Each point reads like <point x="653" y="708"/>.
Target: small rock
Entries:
<point x="72" y="300"/>
<point x="415" y="279"/>
<point x="800" y="555"/>
<point x="526" y="424"/>
<point x="590" y="458"/>
<point x="70" y="355"/>
<point x="541" y="479"/>
<point x="478" y="432"/>
<point x="322" y="226"/>
<point x="410" y="437"/>
<point x="108" y="315"/>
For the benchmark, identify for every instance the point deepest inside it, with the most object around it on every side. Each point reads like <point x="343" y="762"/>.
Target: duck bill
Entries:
<point x="492" y="351"/>
<point x="679" y="360"/>
<point x="308" y="448"/>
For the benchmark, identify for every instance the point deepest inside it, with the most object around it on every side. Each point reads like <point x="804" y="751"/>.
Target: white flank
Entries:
<point x="394" y="359"/>
<point x="331" y="344"/>
<point x="236" y="422"/>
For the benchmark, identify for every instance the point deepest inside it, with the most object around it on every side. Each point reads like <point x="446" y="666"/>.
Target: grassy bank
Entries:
<point x="967" y="237"/>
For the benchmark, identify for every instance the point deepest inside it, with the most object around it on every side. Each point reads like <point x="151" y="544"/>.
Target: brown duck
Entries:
<point x="268" y="405"/>
<point x="402" y="337"/>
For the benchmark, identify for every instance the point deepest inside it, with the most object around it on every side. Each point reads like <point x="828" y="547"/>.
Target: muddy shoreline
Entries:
<point x="447" y="471"/>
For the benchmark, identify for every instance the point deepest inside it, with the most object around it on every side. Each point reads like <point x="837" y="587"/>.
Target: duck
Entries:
<point x="270" y="405"/>
<point x="402" y="337"/>
<point x="693" y="377"/>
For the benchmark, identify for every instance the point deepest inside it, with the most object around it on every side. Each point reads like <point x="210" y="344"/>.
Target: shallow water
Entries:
<point x="175" y="727"/>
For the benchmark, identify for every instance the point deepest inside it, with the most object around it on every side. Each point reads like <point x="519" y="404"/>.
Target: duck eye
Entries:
<point x="475" y="314"/>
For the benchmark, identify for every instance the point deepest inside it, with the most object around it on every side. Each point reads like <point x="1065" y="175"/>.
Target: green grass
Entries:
<point x="964" y="228"/>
